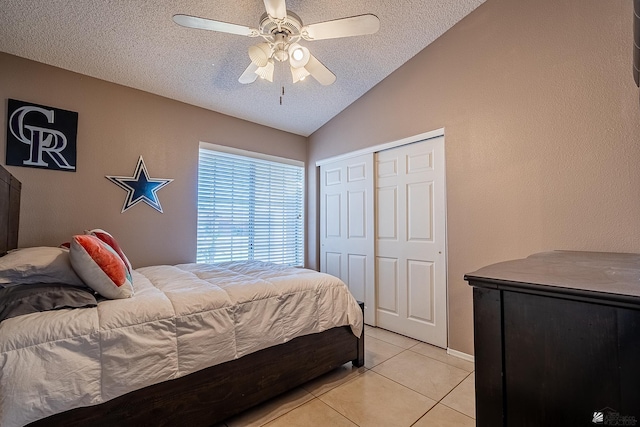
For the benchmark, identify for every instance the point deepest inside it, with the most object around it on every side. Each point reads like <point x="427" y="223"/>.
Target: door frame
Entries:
<point x="371" y="291"/>
<point x="380" y="147"/>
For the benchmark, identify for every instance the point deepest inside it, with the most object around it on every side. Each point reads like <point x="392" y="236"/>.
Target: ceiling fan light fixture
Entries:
<point x="298" y="55"/>
<point x="260" y="54"/>
<point x="266" y="72"/>
<point x="299" y="74"/>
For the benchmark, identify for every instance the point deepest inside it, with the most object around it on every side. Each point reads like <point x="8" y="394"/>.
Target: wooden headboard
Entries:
<point x="636" y="41"/>
<point x="10" y="189"/>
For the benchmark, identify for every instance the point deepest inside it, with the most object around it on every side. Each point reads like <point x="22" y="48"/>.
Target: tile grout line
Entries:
<point x="366" y="369"/>
<point x="454" y="409"/>
<point x="355" y="377"/>
<point x="428" y="357"/>
<point x="343" y="415"/>
<point x="309" y="401"/>
<point x="456" y="386"/>
<point x="409" y="388"/>
<point x="417" y="352"/>
<point x="317" y="397"/>
<point x="440" y="401"/>
<point x="438" y="360"/>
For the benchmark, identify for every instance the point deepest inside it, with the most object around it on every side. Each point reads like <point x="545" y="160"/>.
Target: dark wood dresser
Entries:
<point x="557" y="340"/>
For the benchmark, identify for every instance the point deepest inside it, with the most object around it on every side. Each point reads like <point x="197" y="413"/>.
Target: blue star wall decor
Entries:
<point x="139" y="187"/>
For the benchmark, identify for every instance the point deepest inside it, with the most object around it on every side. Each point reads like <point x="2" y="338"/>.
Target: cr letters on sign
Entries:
<point x="41" y="137"/>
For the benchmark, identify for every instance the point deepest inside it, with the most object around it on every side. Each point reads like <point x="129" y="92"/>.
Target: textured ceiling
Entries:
<point x="135" y="43"/>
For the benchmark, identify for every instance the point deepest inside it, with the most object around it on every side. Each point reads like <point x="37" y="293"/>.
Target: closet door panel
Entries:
<point x="346" y="226"/>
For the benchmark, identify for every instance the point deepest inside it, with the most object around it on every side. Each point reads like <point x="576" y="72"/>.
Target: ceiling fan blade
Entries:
<point x="209" y="24"/>
<point x="345" y="27"/>
<point x="319" y="72"/>
<point x="249" y="75"/>
<point x="276" y="8"/>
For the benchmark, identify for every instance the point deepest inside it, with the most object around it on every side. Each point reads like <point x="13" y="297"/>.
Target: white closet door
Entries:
<point x="410" y="241"/>
<point x="346" y="226"/>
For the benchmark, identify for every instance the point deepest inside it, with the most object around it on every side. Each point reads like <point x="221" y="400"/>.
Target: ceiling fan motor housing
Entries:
<point x="292" y="25"/>
<point x="281" y="33"/>
<point x="281" y="42"/>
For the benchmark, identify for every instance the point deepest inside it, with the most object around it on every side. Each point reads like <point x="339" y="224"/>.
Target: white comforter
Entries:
<point x="182" y="319"/>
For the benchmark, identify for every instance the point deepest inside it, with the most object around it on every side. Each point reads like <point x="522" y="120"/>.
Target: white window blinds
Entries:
<point x="249" y="209"/>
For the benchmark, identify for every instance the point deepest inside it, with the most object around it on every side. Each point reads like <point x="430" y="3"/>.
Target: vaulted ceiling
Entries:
<point x="135" y="43"/>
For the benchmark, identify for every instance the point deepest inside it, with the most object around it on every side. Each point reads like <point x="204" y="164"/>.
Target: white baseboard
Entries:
<point x="461" y="355"/>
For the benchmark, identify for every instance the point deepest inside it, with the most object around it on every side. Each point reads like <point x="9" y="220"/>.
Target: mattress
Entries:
<point x="181" y="319"/>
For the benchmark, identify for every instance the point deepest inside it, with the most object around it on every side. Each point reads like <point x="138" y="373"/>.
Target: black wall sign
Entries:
<point x="41" y="137"/>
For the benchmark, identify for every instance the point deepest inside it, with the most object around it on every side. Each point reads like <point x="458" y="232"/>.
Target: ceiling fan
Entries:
<point x="281" y="30"/>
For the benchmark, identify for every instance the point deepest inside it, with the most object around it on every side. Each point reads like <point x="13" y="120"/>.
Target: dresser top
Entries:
<point x="576" y="273"/>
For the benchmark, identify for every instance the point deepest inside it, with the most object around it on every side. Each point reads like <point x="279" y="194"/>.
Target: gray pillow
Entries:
<point x="39" y="264"/>
<point x="33" y="298"/>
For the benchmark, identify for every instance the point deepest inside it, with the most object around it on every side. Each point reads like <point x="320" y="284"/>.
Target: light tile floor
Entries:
<point x="404" y="383"/>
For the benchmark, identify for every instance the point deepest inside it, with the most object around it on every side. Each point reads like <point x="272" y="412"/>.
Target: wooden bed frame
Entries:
<point x="207" y="397"/>
<point x="211" y="395"/>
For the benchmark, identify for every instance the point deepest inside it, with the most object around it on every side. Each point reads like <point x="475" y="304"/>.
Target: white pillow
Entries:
<point x="100" y="267"/>
<point x="39" y="264"/>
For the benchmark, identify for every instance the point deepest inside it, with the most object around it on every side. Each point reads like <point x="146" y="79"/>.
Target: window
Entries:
<point x="249" y="208"/>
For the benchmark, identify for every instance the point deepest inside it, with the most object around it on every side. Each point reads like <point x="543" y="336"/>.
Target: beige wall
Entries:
<point x="116" y="125"/>
<point x="542" y="134"/>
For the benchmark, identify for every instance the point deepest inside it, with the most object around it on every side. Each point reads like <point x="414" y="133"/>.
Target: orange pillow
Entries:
<point x="111" y="241"/>
<point x="100" y="267"/>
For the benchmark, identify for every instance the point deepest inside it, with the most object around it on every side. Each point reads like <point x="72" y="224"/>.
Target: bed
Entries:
<point x="154" y="360"/>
